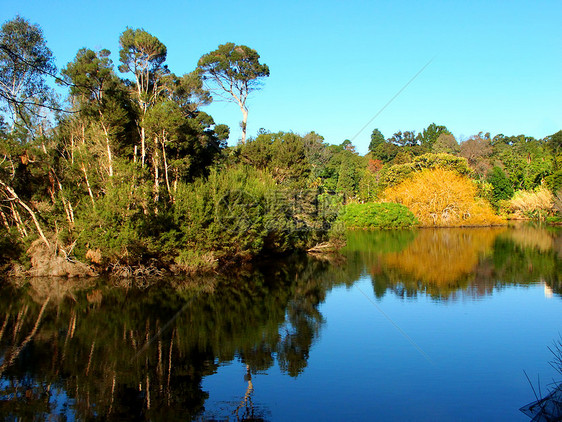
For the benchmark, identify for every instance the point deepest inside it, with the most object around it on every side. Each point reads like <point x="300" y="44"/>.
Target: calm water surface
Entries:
<point x="405" y="325"/>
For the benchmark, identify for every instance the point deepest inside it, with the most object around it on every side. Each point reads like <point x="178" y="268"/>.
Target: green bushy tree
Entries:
<point x="501" y="187"/>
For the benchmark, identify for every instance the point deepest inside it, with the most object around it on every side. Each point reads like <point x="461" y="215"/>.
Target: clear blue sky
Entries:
<point x="334" y="64"/>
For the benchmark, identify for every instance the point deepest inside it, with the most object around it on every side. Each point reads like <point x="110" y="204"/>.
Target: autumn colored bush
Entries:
<point x="532" y="204"/>
<point x="444" y="198"/>
<point x="393" y="175"/>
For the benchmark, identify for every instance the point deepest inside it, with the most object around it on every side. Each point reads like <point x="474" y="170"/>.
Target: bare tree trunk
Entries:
<point x="156" y="172"/>
<point x="29" y="210"/>
<point x="108" y="146"/>
<point x="4" y="220"/>
<point x="88" y="185"/>
<point x="67" y="205"/>
<point x="69" y="216"/>
<point x="72" y="148"/>
<point x="143" y="144"/>
<point x="42" y="139"/>
<point x="244" y="122"/>
<point x="19" y="223"/>
<point x="166" y="167"/>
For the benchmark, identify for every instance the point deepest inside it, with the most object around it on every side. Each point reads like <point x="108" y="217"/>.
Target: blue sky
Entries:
<point x="334" y="64"/>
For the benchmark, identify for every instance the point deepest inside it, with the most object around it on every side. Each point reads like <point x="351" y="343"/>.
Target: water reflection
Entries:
<point x="451" y="263"/>
<point x="92" y="349"/>
<point x="121" y="352"/>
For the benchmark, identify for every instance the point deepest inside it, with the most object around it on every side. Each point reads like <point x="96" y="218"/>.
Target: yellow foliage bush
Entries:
<point x="443" y="198"/>
<point x="532" y="204"/>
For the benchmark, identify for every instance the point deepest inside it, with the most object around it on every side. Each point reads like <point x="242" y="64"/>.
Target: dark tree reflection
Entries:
<point x="95" y="351"/>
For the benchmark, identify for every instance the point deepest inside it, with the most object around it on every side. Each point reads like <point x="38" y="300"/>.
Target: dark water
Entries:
<point x="406" y="325"/>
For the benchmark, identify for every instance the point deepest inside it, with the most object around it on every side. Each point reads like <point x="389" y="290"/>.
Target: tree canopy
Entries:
<point x="25" y="61"/>
<point x="233" y="71"/>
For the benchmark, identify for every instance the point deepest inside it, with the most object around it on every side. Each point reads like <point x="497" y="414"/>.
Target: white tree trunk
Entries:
<point x="88" y="185"/>
<point x="244" y="122"/>
<point x="143" y="146"/>
<point x="109" y="155"/>
<point x="166" y="168"/>
<point x="16" y="198"/>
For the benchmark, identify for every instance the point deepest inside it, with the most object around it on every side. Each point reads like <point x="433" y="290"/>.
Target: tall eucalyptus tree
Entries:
<point x="143" y="55"/>
<point x="233" y="72"/>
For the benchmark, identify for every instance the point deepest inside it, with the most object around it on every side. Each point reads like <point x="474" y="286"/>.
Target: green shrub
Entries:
<point x="377" y="216"/>
<point x="11" y="248"/>
<point x="502" y="189"/>
<point x="554" y="181"/>
<point x="240" y="212"/>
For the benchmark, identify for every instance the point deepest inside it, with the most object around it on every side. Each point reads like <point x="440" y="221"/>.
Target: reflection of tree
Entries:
<point x="246" y="404"/>
<point x="111" y="351"/>
<point x="443" y="257"/>
<point x="447" y="263"/>
<point x="379" y="241"/>
<point x="304" y="322"/>
<point x="31" y="399"/>
<point x="530" y="236"/>
<point x="529" y="260"/>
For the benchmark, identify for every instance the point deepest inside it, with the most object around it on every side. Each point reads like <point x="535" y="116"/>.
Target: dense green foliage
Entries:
<point x="134" y="176"/>
<point x="377" y="216"/>
<point x="501" y="188"/>
<point x="240" y="213"/>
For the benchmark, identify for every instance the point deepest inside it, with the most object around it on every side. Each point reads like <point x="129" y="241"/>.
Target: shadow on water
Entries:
<point x="96" y="349"/>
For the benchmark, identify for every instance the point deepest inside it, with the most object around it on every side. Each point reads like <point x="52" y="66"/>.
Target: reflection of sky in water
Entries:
<point x="27" y="392"/>
<point x="363" y="366"/>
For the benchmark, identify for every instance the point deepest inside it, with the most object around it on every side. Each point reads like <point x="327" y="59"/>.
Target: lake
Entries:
<point x="428" y="324"/>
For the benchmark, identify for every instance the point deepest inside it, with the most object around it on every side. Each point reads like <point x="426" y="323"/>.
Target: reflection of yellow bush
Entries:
<point x="532" y="237"/>
<point x="442" y="198"/>
<point x="443" y="257"/>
